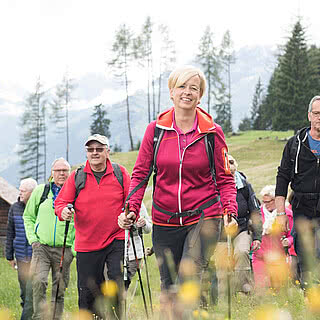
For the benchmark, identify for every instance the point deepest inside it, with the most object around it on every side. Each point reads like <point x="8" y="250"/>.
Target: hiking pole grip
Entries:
<point x="70" y="207"/>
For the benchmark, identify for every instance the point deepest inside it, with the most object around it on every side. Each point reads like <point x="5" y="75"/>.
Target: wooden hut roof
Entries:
<point x="8" y="192"/>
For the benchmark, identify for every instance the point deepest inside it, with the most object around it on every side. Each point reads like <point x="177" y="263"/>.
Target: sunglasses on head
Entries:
<point x="98" y="149"/>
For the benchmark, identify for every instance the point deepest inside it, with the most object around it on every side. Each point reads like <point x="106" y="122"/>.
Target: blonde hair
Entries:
<point x="268" y="190"/>
<point x="182" y="74"/>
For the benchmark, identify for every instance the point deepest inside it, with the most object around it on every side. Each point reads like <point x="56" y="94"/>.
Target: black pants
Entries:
<point x="177" y="242"/>
<point x="306" y="243"/>
<point x="90" y="267"/>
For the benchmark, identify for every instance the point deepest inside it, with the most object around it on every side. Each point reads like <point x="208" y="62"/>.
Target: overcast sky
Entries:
<point x="45" y="37"/>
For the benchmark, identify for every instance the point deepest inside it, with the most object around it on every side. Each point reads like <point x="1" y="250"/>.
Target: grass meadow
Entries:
<point x="258" y="154"/>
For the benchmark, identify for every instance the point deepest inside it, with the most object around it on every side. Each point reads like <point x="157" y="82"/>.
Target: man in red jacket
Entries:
<point x="99" y="240"/>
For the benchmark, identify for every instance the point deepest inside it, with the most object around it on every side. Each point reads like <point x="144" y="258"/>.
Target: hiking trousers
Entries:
<point x="176" y="244"/>
<point x="44" y="259"/>
<point x="90" y="269"/>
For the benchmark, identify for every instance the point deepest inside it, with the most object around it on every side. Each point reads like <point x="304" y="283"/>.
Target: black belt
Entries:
<point x="190" y="213"/>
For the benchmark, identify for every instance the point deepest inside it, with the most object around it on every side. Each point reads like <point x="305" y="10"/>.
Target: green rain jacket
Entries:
<point x="43" y="225"/>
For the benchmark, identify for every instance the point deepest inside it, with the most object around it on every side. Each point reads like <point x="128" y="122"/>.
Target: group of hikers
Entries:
<point x="200" y="203"/>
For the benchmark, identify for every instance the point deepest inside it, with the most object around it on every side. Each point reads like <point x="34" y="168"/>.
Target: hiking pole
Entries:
<point x="229" y="269"/>
<point x="137" y="262"/>
<point x="125" y="270"/>
<point x="138" y="270"/>
<point x="70" y="207"/>
<point x="146" y="265"/>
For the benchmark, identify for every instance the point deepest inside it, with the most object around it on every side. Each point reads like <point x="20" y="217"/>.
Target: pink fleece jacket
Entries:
<point x="184" y="180"/>
<point x="269" y="243"/>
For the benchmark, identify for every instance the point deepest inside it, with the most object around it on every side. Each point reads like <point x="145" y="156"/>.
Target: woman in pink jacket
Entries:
<point x="188" y="203"/>
<point x="271" y="263"/>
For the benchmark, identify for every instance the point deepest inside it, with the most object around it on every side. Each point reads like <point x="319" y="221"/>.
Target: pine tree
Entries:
<point x="314" y="58"/>
<point x="227" y="58"/>
<point x="143" y="52"/>
<point x="256" y="103"/>
<point x="293" y="87"/>
<point x="223" y="110"/>
<point x="60" y="107"/>
<point x="267" y="107"/>
<point x="167" y="58"/>
<point x="100" y="124"/>
<point x="32" y="150"/>
<point x="209" y="62"/>
<point x="123" y="53"/>
<point x="245" y="124"/>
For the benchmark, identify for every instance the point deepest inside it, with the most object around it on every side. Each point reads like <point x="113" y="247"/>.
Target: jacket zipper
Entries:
<point x="180" y="169"/>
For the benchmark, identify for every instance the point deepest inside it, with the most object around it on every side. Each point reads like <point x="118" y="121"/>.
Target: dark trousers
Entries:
<point x="177" y="243"/>
<point x="306" y="236"/>
<point x="90" y="268"/>
<point x="25" y="289"/>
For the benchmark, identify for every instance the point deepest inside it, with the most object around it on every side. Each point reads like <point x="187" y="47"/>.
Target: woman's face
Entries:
<point x="269" y="202"/>
<point x="187" y="96"/>
<point x="232" y="165"/>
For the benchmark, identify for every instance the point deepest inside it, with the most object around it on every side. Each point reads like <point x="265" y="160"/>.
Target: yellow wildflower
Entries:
<point x="109" y="288"/>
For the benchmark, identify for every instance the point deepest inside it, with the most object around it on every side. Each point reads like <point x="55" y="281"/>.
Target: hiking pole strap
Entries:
<point x="141" y="184"/>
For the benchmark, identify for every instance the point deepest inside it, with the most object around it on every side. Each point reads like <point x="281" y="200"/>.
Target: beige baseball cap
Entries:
<point x="99" y="138"/>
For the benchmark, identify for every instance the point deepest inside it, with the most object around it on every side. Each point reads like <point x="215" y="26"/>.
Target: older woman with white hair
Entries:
<point x="269" y="260"/>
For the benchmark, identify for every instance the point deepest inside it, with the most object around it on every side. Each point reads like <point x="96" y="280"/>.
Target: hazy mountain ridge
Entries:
<point x="93" y="88"/>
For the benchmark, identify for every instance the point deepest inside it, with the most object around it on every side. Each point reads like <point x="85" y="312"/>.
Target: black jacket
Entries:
<point x="301" y="168"/>
<point x="247" y="205"/>
<point x="17" y="243"/>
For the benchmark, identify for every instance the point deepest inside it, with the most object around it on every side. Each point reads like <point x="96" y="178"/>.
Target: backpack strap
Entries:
<point x="158" y="135"/>
<point x="209" y="143"/>
<point x="118" y="173"/>
<point x="80" y="178"/>
<point x="44" y="196"/>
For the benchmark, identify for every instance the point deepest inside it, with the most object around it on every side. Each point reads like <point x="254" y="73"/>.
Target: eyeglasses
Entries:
<point x="267" y="202"/>
<point x="99" y="149"/>
<point x="316" y="113"/>
<point x="61" y="170"/>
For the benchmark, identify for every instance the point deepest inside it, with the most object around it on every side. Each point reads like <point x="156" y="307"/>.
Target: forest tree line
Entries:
<point x="281" y="105"/>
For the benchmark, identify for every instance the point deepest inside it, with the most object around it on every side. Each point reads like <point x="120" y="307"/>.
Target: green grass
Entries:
<point x="258" y="154"/>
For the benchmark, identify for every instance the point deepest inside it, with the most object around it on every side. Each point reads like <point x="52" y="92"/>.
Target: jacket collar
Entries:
<point x="302" y="133"/>
<point x="88" y="169"/>
<point x="205" y="121"/>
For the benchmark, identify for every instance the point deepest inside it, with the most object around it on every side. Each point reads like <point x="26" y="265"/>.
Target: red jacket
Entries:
<point x="96" y="209"/>
<point x="184" y="181"/>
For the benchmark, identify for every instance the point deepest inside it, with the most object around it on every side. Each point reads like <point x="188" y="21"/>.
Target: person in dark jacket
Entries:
<point x="249" y="232"/>
<point x="247" y="238"/>
<point x="18" y="250"/>
<point x="300" y="166"/>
